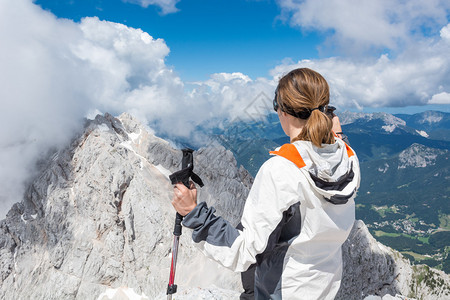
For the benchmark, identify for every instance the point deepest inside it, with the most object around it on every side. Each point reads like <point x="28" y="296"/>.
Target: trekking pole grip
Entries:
<point x="177" y="228"/>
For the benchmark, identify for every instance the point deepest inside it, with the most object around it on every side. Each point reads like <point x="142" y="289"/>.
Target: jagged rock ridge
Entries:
<point x="370" y="268"/>
<point x="419" y="156"/>
<point x="389" y="120"/>
<point x="99" y="217"/>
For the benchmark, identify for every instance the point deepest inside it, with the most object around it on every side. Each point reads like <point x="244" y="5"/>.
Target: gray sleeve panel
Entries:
<point x="210" y="228"/>
<point x="271" y="261"/>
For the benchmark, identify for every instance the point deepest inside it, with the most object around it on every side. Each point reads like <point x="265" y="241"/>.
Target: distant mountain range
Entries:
<point x="436" y="124"/>
<point x="373" y="136"/>
<point x="381" y="135"/>
<point x="405" y="170"/>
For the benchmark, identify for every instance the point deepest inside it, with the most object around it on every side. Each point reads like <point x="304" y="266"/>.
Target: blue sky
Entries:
<point x="207" y="37"/>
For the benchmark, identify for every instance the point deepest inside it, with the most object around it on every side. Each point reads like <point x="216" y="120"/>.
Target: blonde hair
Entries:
<point x="305" y="90"/>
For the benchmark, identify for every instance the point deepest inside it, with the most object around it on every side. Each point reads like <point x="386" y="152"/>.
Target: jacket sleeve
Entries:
<point x="273" y="192"/>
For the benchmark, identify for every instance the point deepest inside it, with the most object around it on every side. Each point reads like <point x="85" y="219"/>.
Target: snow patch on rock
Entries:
<point x="422" y="133"/>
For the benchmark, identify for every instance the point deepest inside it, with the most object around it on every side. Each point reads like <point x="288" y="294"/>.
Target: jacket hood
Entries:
<point x="328" y="163"/>
<point x="332" y="171"/>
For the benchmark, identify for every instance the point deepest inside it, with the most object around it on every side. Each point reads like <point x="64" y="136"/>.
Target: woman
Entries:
<point x="300" y="209"/>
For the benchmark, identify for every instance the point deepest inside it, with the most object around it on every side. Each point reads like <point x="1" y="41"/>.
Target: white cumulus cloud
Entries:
<point x="445" y="32"/>
<point x="361" y="25"/>
<point x="42" y="97"/>
<point x="55" y="71"/>
<point x="411" y="77"/>
<point x="441" y="98"/>
<point x="167" y="6"/>
<point x="410" y="40"/>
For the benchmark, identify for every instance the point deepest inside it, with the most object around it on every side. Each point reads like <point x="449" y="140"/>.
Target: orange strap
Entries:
<point x="290" y="152"/>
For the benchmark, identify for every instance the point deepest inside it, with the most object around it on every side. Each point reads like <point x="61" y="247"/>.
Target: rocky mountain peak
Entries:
<point x="350" y="117"/>
<point x="388" y="122"/>
<point x="431" y="117"/>
<point x="419" y="156"/>
<point x="98" y="217"/>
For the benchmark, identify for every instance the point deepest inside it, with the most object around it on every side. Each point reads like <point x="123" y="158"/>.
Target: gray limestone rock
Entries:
<point x="370" y="268"/>
<point x="98" y="217"/>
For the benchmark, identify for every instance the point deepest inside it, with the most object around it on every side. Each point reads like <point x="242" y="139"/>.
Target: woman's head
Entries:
<point x="304" y="93"/>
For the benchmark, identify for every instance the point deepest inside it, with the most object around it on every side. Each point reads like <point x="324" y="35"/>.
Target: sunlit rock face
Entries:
<point x="97" y="222"/>
<point x="99" y="216"/>
<point x="419" y="156"/>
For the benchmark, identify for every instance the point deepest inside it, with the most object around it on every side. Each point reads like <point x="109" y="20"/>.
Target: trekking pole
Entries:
<point x="186" y="172"/>
<point x="172" y="287"/>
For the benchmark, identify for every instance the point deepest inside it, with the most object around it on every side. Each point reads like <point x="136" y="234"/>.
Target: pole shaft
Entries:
<point x="172" y="287"/>
<point x="186" y="162"/>
<point x="173" y="266"/>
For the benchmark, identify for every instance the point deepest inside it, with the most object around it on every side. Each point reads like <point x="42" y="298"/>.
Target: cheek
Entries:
<point x="282" y="122"/>
<point x="284" y="129"/>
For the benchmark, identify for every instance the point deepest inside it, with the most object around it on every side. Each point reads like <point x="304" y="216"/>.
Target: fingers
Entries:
<point x="176" y="192"/>
<point x="182" y="188"/>
<point x="192" y="187"/>
<point x="184" y="200"/>
<point x="337" y="127"/>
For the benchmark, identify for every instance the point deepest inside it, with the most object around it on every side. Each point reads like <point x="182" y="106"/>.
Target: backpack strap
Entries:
<point x="289" y="151"/>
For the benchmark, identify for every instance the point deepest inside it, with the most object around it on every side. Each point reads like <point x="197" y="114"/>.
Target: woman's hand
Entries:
<point x="184" y="200"/>
<point x="337" y="126"/>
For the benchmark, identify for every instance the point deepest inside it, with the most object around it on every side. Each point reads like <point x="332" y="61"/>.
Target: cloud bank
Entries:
<point x="357" y="26"/>
<point x="414" y="77"/>
<point x="387" y="53"/>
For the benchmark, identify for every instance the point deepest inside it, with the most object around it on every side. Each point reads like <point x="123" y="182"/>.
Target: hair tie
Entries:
<point x="321" y="108"/>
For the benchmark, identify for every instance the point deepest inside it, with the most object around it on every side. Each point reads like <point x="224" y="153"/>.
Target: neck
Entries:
<point x="294" y="127"/>
<point x="294" y="133"/>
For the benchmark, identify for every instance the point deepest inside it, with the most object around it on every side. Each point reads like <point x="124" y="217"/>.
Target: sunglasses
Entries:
<point x="275" y="102"/>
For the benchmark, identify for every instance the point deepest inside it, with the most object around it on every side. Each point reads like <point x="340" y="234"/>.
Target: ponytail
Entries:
<point x="317" y="129"/>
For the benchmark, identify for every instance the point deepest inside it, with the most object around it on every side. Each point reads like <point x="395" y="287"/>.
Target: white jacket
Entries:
<point x="298" y="214"/>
